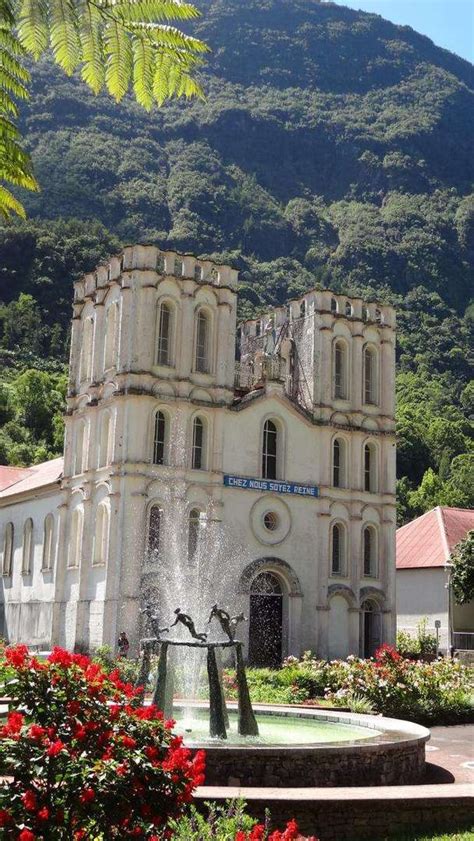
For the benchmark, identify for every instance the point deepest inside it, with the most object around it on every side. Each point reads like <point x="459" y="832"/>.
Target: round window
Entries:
<point x="270" y="520"/>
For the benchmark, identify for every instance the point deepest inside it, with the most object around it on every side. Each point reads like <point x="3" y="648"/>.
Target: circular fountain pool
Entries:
<point x="307" y="747"/>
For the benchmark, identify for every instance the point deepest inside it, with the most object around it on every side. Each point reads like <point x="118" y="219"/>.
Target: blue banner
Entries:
<point x="270" y="485"/>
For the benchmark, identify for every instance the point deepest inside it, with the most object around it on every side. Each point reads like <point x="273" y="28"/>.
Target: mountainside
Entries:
<point x="334" y="148"/>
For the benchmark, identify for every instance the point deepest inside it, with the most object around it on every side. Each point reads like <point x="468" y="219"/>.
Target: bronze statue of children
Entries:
<point x="189" y="624"/>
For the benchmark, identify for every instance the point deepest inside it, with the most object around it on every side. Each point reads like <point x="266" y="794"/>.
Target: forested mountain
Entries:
<point x="334" y="148"/>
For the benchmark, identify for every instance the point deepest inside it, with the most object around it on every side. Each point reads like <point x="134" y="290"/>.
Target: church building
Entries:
<point x="281" y="429"/>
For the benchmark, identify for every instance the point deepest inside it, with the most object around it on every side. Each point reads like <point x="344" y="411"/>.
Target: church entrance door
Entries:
<point x="266" y="616"/>
<point x="372" y="628"/>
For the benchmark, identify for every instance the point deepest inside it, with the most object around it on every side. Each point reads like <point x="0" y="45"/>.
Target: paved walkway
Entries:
<point x="450" y="754"/>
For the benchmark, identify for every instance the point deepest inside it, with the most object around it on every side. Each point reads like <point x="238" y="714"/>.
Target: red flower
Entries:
<point x="60" y="656"/>
<point x="43" y="814"/>
<point x="79" y="834"/>
<point x="87" y="795"/>
<point x="5" y="817"/>
<point x="17" y="655"/>
<point x="128" y="741"/>
<point x="73" y="707"/>
<point x="55" y="748"/>
<point x="14" y="723"/>
<point x="152" y="752"/>
<point x="257" y="832"/>
<point x="240" y="836"/>
<point x="29" y="800"/>
<point x="26" y="835"/>
<point x="36" y="732"/>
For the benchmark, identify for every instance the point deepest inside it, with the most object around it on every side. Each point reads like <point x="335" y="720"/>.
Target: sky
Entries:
<point x="449" y="23"/>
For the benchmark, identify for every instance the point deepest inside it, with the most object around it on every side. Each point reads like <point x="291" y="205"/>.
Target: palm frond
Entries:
<point x="9" y="204"/>
<point x="152" y="10"/>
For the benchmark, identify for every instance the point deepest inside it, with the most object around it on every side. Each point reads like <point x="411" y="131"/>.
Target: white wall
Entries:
<point x="28" y="599"/>
<point x="422" y="593"/>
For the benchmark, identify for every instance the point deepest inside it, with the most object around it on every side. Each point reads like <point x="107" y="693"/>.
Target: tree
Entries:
<point x="462" y="575"/>
<point x="116" y="43"/>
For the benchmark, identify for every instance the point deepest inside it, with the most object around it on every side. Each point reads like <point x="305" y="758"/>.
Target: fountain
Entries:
<point x="264" y="745"/>
<point x="218" y="718"/>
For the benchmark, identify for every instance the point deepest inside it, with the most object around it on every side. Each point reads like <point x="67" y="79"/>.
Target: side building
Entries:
<point x="291" y="449"/>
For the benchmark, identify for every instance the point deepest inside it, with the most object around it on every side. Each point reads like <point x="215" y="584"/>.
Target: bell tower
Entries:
<point x="153" y="337"/>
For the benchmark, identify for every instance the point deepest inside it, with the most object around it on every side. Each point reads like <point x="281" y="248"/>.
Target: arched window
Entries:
<point x="334" y="306"/>
<point x="27" y="547"/>
<point x="202" y="342"/>
<point x="86" y="352"/>
<point x="339" y="463"/>
<point x="178" y="267"/>
<point x="369" y="551"/>
<point x="198" y="450"/>
<point x="160" y="264"/>
<point x="340" y="371"/>
<point x="101" y="537"/>
<point x="7" y="565"/>
<point x="75" y="540"/>
<point x="370" y="376"/>
<point x="348" y="309"/>
<point x="111" y="335"/>
<point x="269" y="450"/>
<point x="303" y="309"/>
<point x="154" y="531"/>
<point x="104" y="442"/>
<point x="370" y="468"/>
<point x="194" y="530"/>
<point x="48" y="531"/>
<point x="258" y="328"/>
<point x="365" y="314"/>
<point x="337" y="549"/>
<point x="198" y="272"/>
<point x="165" y="328"/>
<point x="159" y="439"/>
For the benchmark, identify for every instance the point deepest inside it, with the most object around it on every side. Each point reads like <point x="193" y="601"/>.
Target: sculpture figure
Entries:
<point x="152" y="617"/>
<point x="224" y="620"/>
<point x="188" y="623"/>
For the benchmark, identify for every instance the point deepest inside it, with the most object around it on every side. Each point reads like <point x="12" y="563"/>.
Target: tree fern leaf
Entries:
<point x="64" y="34"/>
<point x="33" y="26"/>
<point x="165" y="35"/>
<point x="118" y="49"/>
<point x="161" y="77"/>
<point x="93" y="69"/>
<point x="9" y="204"/>
<point x="143" y="64"/>
<point x="152" y="10"/>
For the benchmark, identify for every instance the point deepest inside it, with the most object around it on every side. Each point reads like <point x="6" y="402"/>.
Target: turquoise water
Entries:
<point x="274" y="730"/>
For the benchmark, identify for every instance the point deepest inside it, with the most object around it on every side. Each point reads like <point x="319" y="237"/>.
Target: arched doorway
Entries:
<point x="371" y="628"/>
<point x="266" y="618"/>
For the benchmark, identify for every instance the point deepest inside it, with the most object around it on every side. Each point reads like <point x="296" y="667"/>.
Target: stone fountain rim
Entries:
<point x="407" y="732"/>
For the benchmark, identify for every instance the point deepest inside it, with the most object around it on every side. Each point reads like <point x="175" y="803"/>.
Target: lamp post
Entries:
<point x="448" y="567"/>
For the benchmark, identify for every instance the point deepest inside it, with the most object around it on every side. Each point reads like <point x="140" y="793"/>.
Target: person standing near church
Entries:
<point x="123" y="645"/>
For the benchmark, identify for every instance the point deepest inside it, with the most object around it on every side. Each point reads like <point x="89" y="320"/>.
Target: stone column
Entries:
<point x="98" y="343"/>
<point x="184" y="361"/>
<point x="224" y="375"/>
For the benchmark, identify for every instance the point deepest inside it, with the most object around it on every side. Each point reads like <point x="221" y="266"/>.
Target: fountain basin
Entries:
<point x="307" y="747"/>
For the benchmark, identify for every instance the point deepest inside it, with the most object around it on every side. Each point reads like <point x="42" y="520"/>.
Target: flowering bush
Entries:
<point x="85" y="760"/>
<point x="442" y="691"/>
<point x="231" y="823"/>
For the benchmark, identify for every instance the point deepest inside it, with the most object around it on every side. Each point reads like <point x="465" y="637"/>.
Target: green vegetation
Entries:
<point x="117" y="44"/>
<point x="462" y="577"/>
<point x="334" y="149"/>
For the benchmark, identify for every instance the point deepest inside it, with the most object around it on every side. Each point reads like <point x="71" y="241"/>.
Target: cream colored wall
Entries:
<point x="422" y="593"/>
<point x="27" y="600"/>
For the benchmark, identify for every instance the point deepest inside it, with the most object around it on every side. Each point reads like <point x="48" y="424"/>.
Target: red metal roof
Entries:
<point x="429" y="540"/>
<point x="24" y="479"/>
<point x="10" y="475"/>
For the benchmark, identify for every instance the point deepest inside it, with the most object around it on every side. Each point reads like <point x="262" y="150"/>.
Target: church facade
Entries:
<point x="281" y="429"/>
